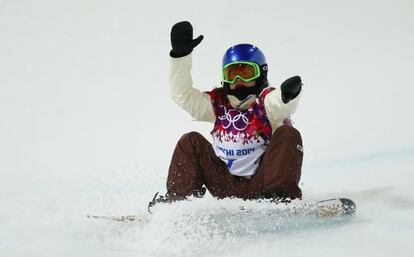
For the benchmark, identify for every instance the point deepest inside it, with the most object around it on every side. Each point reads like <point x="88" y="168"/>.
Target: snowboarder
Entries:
<point x="255" y="150"/>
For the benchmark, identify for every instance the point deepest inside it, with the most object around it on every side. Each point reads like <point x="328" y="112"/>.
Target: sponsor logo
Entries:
<point x="234" y="118"/>
<point x="238" y="152"/>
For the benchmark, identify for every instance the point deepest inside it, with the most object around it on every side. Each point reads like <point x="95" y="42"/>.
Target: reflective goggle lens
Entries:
<point x="246" y="71"/>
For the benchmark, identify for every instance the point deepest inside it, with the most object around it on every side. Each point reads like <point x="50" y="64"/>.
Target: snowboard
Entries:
<point x="120" y="218"/>
<point x="335" y="207"/>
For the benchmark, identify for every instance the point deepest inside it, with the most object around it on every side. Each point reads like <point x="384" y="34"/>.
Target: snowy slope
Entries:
<point x="87" y="125"/>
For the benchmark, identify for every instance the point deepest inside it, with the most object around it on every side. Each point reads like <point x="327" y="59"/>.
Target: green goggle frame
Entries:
<point x="254" y="65"/>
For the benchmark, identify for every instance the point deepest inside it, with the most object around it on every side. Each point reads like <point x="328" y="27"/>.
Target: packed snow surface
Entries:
<point x="87" y="126"/>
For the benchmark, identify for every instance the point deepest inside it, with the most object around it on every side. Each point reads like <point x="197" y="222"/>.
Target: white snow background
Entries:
<point x="87" y="125"/>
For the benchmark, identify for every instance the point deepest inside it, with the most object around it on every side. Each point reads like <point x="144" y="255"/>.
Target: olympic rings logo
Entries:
<point x="234" y="118"/>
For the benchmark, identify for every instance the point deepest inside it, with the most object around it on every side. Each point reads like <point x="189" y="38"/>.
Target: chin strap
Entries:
<point x="248" y="95"/>
<point x="243" y="104"/>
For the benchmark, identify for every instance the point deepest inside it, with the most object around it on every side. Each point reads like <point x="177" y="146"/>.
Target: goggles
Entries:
<point x="246" y="71"/>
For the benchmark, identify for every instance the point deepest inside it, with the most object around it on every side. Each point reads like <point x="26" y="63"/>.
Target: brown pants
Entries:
<point x="195" y="164"/>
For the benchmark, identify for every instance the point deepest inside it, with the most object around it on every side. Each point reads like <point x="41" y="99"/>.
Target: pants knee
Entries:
<point x="288" y="132"/>
<point x="190" y="137"/>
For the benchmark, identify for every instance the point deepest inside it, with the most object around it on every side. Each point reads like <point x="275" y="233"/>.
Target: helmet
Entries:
<point x="247" y="53"/>
<point x="244" y="52"/>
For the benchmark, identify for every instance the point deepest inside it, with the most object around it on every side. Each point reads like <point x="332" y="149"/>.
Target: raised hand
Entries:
<point x="291" y="88"/>
<point x="182" y="41"/>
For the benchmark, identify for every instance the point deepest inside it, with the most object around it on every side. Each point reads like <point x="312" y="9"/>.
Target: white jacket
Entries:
<point x="199" y="106"/>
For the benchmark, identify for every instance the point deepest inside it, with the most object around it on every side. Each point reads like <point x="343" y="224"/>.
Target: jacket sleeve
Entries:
<point x="192" y="100"/>
<point x="277" y="111"/>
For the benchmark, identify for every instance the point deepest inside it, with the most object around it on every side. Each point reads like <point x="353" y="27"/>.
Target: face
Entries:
<point x="240" y="83"/>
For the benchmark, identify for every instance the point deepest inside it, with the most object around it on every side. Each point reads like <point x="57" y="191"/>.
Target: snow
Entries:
<point x="87" y="125"/>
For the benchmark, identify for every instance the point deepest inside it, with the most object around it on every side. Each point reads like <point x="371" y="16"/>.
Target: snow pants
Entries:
<point x="194" y="164"/>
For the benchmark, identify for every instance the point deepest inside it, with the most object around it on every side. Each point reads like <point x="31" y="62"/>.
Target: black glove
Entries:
<point x="291" y="88"/>
<point x="182" y="41"/>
